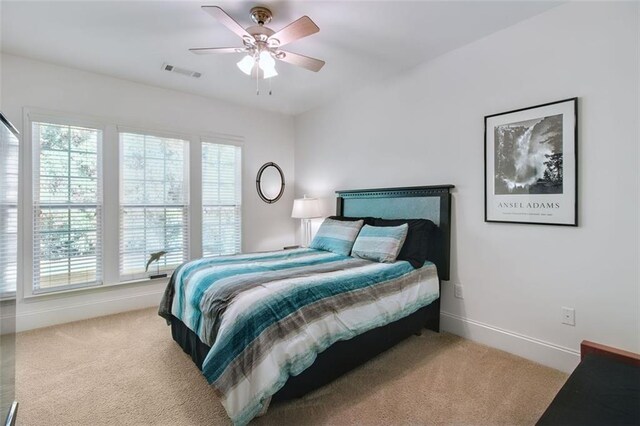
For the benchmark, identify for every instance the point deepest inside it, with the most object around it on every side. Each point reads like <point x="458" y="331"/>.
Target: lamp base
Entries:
<point x="307" y="232"/>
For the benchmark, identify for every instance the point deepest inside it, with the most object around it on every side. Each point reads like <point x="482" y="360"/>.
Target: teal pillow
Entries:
<point x="336" y="236"/>
<point x="380" y="243"/>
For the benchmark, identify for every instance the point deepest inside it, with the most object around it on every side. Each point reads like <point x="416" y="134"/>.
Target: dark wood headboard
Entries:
<point x="414" y="202"/>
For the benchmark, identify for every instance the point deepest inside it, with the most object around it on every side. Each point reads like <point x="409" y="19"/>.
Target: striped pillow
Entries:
<point x="380" y="243"/>
<point x="336" y="236"/>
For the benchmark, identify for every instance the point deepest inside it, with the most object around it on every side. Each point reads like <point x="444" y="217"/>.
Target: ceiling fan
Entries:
<point x="262" y="45"/>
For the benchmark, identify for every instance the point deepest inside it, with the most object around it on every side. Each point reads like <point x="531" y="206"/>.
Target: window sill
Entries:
<point x="94" y="289"/>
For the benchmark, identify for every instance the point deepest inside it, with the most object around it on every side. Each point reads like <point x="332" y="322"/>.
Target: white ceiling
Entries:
<point x="362" y="41"/>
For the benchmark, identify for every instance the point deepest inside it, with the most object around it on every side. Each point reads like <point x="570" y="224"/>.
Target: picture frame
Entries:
<point x="531" y="165"/>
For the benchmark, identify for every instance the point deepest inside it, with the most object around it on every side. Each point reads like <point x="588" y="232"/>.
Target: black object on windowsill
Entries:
<point x="155" y="277"/>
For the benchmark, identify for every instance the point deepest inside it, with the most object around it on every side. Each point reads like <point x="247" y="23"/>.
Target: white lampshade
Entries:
<point x="246" y="64"/>
<point x="306" y="208"/>
<point x="267" y="64"/>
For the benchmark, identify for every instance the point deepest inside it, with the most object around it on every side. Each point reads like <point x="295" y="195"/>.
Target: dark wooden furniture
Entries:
<point x="603" y="390"/>
<point x="588" y="348"/>
<point x="422" y="202"/>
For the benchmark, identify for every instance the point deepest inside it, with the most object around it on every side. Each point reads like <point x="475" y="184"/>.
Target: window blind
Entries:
<point x="67" y="196"/>
<point x="8" y="211"/>
<point x="221" y="199"/>
<point x="153" y="203"/>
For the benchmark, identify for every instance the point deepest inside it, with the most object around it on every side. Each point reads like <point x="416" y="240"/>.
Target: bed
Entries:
<point x="323" y="308"/>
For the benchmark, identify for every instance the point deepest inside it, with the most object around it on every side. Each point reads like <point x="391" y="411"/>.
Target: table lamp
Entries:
<point x="305" y="209"/>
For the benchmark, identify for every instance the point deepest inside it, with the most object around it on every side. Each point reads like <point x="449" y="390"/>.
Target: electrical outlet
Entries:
<point x="457" y="291"/>
<point x="568" y="316"/>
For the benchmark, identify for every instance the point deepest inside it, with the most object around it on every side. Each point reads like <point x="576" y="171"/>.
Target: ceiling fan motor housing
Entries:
<point x="261" y="15"/>
<point x="260" y="33"/>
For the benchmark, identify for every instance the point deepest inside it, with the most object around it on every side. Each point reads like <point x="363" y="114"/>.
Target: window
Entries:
<point x="8" y="211"/>
<point x="153" y="203"/>
<point x="100" y="199"/>
<point x="221" y="199"/>
<point x="66" y="206"/>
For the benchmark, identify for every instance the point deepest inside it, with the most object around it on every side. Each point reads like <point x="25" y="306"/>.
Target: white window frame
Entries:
<point x="27" y="189"/>
<point x="111" y="128"/>
<point x="10" y="294"/>
<point x="187" y="176"/>
<point x="223" y="140"/>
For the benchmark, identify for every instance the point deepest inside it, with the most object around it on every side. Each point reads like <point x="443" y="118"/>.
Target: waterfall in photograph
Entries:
<point x="528" y="156"/>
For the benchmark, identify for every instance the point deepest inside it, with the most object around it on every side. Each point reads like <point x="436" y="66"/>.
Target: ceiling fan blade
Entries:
<point x="226" y="20"/>
<point x="311" y="64"/>
<point x="296" y="30"/>
<point x="208" y="50"/>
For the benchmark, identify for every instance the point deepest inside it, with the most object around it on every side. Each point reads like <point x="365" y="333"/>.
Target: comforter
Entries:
<point x="266" y="316"/>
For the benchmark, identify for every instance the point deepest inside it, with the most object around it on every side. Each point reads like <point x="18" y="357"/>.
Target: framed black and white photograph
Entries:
<point x="531" y="170"/>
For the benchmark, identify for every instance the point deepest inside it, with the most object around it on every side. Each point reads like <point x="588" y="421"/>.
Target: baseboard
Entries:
<point x="536" y="350"/>
<point x="46" y="317"/>
<point x="545" y="353"/>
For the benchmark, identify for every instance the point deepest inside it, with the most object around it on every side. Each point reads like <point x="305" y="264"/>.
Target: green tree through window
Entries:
<point x="153" y="202"/>
<point x="67" y="189"/>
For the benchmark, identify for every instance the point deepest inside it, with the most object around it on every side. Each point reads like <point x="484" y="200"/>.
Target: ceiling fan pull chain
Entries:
<point x="270" y="87"/>
<point x="257" y="80"/>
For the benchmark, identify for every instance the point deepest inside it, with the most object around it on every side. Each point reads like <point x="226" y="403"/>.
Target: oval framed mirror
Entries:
<point x="270" y="183"/>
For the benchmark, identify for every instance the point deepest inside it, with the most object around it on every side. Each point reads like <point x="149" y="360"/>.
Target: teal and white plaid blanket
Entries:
<point x="266" y="316"/>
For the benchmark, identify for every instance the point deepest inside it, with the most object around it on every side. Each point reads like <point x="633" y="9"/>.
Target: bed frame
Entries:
<point x="419" y="202"/>
<point x="414" y="202"/>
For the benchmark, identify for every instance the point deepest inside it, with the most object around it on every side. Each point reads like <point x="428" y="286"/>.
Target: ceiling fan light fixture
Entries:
<point x="269" y="72"/>
<point x="266" y="60"/>
<point x="246" y="64"/>
<point x="267" y="64"/>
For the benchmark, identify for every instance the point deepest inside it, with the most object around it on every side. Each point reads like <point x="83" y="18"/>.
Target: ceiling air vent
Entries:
<point x="183" y="71"/>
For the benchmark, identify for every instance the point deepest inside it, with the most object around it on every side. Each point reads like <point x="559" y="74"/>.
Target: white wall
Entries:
<point x="426" y="127"/>
<point x="267" y="137"/>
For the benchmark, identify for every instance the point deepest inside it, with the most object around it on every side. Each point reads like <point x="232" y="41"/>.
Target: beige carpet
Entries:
<point x="126" y="370"/>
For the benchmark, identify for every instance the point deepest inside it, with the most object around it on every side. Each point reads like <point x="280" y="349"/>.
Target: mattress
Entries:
<point x="266" y="316"/>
